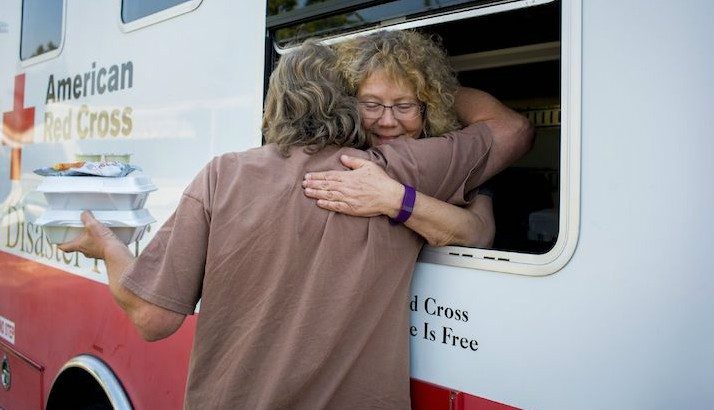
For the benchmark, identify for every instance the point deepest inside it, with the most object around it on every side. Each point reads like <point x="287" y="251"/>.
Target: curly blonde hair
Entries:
<point x="306" y="104"/>
<point x="405" y="56"/>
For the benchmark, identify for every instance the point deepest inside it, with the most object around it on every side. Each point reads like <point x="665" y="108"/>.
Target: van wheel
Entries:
<point x="76" y="389"/>
<point x="86" y="383"/>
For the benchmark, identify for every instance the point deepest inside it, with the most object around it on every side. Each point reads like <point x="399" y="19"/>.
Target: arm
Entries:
<point x="512" y="132"/>
<point x="442" y="224"/>
<point x="369" y="191"/>
<point x="97" y="241"/>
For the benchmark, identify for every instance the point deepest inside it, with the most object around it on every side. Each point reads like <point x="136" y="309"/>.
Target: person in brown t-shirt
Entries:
<point x="301" y="308"/>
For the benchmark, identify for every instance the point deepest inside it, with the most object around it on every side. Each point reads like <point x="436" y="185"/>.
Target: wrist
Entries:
<point x="114" y="250"/>
<point x="118" y="258"/>
<point x="394" y="200"/>
<point x="407" y="206"/>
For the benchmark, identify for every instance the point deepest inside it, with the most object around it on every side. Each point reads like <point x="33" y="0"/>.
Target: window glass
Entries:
<point x="135" y="9"/>
<point x="41" y="27"/>
<point x="338" y="23"/>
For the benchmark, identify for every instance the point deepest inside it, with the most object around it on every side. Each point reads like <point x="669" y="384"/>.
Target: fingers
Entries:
<point x="88" y="219"/>
<point x="353" y="162"/>
<point x="68" y="246"/>
<point x="329" y="200"/>
<point x="87" y="216"/>
<point x="324" y="176"/>
<point x="348" y="161"/>
<point x="90" y="222"/>
<point x="332" y="205"/>
<point x="93" y="225"/>
<point x="343" y="208"/>
<point x="321" y="184"/>
<point x="77" y="244"/>
<point x="93" y="239"/>
<point x="324" y="194"/>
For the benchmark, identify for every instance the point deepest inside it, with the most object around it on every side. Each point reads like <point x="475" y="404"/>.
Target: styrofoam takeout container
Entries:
<point x="63" y="226"/>
<point x="97" y="193"/>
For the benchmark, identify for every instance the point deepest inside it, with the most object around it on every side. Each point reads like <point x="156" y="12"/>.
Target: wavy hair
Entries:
<point x="307" y="105"/>
<point x="405" y="56"/>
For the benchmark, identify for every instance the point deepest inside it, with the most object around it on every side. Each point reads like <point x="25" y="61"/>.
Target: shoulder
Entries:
<point x="478" y="130"/>
<point x="477" y="137"/>
<point x="222" y="168"/>
<point x="232" y="158"/>
<point x="232" y="161"/>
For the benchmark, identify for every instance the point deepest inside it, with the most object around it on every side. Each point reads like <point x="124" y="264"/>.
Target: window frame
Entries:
<point x="570" y="143"/>
<point x="50" y="54"/>
<point x="156" y="17"/>
<point x="513" y="262"/>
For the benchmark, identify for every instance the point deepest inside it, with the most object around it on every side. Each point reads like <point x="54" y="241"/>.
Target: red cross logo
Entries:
<point x="18" y="124"/>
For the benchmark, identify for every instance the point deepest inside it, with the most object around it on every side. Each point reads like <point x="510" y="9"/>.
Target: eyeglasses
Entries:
<point x="402" y="111"/>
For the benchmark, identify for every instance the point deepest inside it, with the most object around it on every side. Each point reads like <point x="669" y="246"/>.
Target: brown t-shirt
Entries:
<point x="301" y="308"/>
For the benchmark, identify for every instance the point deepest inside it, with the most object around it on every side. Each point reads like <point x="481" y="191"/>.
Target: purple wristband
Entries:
<point x="407" y="206"/>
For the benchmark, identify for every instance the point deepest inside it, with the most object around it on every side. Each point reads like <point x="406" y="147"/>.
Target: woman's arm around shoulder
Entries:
<point x="442" y="224"/>
<point x="367" y="190"/>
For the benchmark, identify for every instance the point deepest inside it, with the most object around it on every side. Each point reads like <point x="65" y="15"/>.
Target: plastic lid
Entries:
<point x="134" y="183"/>
<point x="134" y="218"/>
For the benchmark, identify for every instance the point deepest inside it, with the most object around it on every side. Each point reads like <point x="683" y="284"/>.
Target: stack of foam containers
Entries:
<point x="118" y="203"/>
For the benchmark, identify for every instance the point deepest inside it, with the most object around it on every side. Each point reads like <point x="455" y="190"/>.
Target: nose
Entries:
<point x="387" y="119"/>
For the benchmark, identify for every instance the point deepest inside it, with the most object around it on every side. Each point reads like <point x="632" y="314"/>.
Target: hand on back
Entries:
<point x="365" y="191"/>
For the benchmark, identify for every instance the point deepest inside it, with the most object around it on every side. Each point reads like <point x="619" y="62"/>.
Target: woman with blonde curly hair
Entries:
<point x="406" y="89"/>
<point x="408" y="59"/>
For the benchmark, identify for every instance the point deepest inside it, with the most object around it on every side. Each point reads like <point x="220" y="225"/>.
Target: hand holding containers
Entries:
<point x="64" y="226"/>
<point x="115" y="202"/>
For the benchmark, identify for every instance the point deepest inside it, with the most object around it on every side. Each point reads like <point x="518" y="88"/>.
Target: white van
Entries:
<point x="597" y="294"/>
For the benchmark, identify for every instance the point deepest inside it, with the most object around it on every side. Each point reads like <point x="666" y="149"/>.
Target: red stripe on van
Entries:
<point x="428" y="396"/>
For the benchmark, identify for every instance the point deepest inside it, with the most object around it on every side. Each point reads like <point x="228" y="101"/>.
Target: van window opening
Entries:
<point x="41" y="27"/>
<point x="514" y="55"/>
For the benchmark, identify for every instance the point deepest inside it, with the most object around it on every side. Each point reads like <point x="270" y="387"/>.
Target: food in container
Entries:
<point x="108" y="157"/>
<point x="63" y="226"/>
<point x="65" y="166"/>
<point x="113" y="169"/>
<point x="88" y="157"/>
<point x="123" y="158"/>
<point x="97" y="193"/>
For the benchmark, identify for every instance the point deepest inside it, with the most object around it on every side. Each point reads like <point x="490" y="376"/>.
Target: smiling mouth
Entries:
<point x="385" y="137"/>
